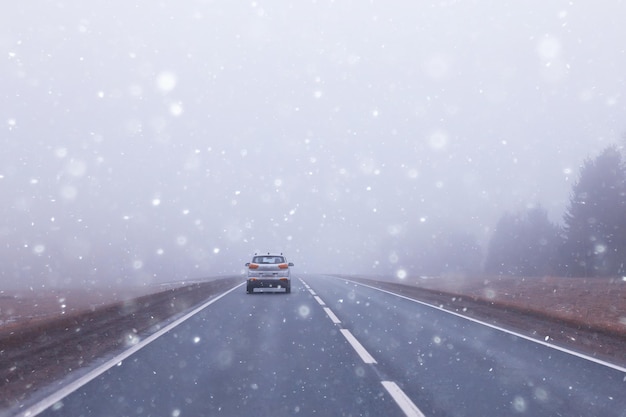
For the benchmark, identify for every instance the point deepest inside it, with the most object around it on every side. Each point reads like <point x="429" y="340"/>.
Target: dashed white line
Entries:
<point x="332" y="315"/>
<point x="404" y="402"/>
<point x="364" y="354"/>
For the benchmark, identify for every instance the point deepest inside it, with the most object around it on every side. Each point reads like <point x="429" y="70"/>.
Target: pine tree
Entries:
<point x="502" y="256"/>
<point x="595" y="222"/>
<point x="523" y="244"/>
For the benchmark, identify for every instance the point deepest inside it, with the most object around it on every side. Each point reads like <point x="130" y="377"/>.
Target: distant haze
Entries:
<point x="154" y="141"/>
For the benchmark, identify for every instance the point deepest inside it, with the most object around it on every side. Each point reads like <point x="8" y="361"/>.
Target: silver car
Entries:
<point x="269" y="271"/>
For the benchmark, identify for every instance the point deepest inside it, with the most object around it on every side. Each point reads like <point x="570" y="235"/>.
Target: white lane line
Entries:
<point x="332" y="315"/>
<point x="364" y="354"/>
<point x="502" y="329"/>
<point x="68" y="389"/>
<point x="312" y="292"/>
<point x="404" y="402"/>
<point x="319" y="300"/>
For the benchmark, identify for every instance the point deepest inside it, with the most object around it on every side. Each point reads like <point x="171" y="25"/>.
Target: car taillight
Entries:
<point x="283" y="266"/>
<point x="253" y="266"/>
<point x="283" y="279"/>
<point x="253" y="279"/>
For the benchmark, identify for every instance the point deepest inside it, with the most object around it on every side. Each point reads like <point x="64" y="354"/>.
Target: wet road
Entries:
<point x="337" y="348"/>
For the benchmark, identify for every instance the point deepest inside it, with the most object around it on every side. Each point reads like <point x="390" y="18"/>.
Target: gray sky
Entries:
<point x="151" y="141"/>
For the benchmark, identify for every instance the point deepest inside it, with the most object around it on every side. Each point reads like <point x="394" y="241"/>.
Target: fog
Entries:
<point x="161" y="141"/>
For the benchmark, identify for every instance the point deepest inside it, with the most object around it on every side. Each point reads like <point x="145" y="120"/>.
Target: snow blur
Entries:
<point x="169" y="141"/>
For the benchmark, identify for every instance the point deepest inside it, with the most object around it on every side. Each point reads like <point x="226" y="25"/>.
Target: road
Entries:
<point x="337" y="348"/>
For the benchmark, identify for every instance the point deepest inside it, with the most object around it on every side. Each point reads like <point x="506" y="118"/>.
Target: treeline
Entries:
<point x="590" y="243"/>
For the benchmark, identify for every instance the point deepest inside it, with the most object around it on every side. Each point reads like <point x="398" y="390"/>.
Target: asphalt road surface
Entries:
<point x="337" y="348"/>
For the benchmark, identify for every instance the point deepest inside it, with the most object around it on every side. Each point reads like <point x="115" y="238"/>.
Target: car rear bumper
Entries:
<point x="268" y="283"/>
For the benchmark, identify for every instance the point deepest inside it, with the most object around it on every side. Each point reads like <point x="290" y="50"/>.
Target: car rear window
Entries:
<point x="268" y="259"/>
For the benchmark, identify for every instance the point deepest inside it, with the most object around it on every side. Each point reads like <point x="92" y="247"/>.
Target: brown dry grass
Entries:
<point x="21" y="308"/>
<point x="593" y="302"/>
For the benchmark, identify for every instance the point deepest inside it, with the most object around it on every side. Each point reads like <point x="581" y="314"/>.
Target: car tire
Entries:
<point x="249" y="290"/>
<point x="288" y="290"/>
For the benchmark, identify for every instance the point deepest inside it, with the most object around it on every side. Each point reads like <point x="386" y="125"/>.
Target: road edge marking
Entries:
<point x="404" y="402"/>
<point x="502" y="329"/>
<point x="83" y="380"/>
